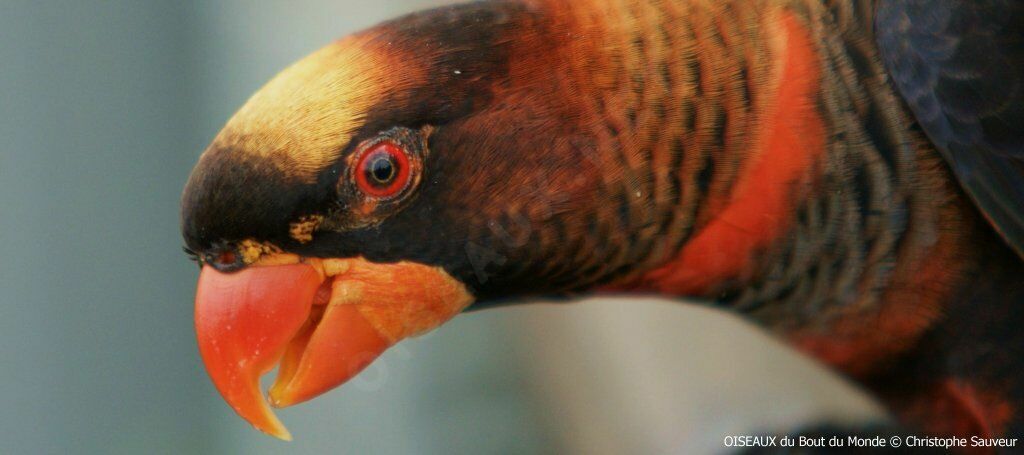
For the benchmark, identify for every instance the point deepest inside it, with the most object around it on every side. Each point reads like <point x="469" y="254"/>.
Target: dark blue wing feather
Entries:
<point x="959" y="64"/>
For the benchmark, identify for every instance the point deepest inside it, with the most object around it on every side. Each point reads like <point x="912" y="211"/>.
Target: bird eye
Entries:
<point x="382" y="171"/>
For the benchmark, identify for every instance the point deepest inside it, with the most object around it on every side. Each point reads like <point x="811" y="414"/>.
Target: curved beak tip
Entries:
<point x="280" y="432"/>
<point x="290" y="316"/>
<point x="268" y="423"/>
<point x="244" y="321"/>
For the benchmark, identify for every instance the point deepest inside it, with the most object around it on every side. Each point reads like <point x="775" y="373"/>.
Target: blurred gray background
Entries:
<point x="105" y="106"/>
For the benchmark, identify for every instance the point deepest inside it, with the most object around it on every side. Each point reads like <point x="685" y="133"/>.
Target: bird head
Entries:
<point x="377" y="188"/>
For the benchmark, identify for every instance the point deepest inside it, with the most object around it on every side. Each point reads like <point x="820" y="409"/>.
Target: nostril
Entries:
<point x="225" y="260"/>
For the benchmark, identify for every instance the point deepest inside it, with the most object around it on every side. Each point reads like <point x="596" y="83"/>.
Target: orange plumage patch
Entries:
<point x="790" y="138"/>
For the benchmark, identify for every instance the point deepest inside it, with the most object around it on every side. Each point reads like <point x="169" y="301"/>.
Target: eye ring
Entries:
<point x="383" y="170"/>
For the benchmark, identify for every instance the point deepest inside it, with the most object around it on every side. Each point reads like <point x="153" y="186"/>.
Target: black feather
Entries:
<point x="959" y="64"/>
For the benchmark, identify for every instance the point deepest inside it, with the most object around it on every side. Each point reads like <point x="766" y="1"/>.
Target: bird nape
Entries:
<point x="847" y="174"/>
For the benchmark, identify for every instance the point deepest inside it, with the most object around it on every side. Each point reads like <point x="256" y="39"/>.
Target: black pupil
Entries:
<point x="381" y="169"/>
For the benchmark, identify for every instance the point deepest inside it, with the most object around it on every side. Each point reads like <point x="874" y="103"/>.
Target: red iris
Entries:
<point x="383" y="170"/>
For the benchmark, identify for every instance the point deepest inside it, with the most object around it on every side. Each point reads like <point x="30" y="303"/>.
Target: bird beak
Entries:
<point x="321" y="321"/>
